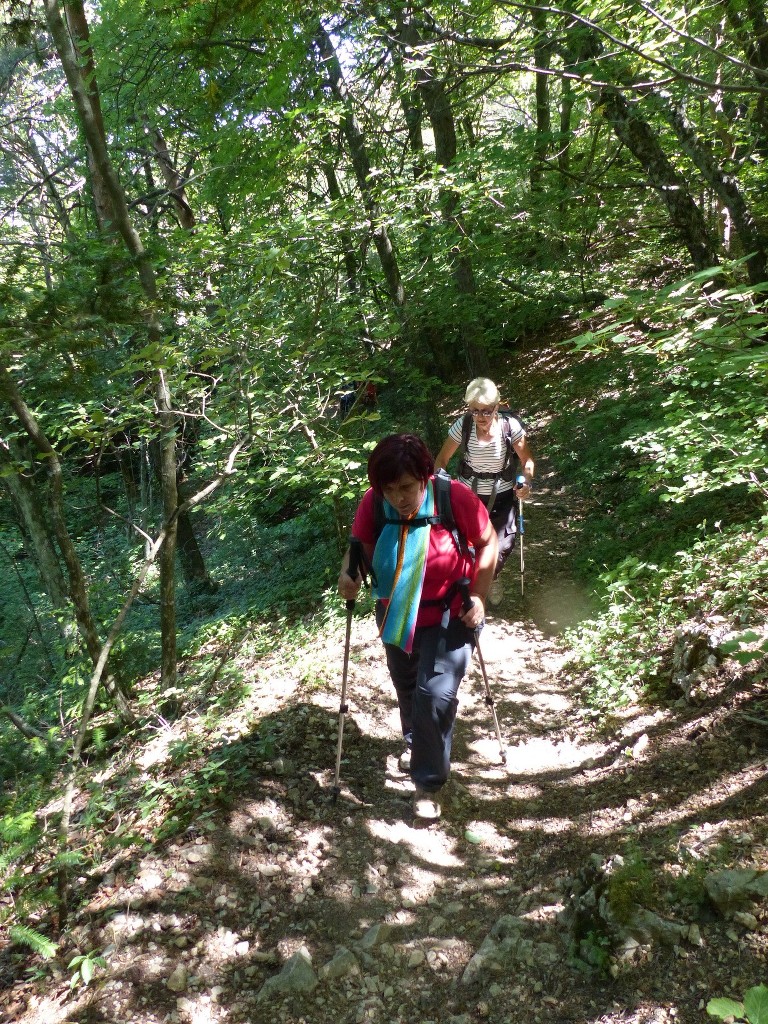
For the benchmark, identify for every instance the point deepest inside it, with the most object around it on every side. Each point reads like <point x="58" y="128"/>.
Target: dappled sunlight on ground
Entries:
<point x="537" y="755"/>
<point x="429" y="844"/>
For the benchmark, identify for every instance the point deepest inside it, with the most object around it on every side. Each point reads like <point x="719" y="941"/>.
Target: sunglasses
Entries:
<point x="485" y="413"/>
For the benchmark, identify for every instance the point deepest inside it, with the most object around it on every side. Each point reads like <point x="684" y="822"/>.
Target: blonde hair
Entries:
<point x="482" y="390"/>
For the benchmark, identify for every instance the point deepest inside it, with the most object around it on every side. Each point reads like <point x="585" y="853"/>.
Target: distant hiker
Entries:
<point x="494" y="452"/>
<point x="416" y="534"/>
<point x="362" y="392"/>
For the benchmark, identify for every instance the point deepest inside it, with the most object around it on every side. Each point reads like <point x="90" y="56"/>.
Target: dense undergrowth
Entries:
<point x="661" y="428"/>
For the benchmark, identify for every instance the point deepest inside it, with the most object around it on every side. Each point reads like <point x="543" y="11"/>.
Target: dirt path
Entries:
<point x="294" y="907"/>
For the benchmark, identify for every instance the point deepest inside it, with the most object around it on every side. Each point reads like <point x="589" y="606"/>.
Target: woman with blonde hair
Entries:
<point x="494" y="451"/>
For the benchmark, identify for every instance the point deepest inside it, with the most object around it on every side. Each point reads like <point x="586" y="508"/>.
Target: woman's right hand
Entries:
<point x="349" y="588"/>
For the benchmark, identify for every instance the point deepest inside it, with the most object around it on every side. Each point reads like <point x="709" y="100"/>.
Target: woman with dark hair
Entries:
<point x="417" y="565"/>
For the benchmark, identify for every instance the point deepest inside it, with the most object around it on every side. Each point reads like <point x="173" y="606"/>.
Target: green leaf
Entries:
<point x="756" y="1005"/>
<point x="724" y="1007"/>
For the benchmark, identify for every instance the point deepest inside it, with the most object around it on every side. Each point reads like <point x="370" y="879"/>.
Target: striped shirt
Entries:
<point x="487" y="456"/>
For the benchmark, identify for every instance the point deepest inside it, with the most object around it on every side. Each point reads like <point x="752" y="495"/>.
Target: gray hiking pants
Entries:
<point x="427" y="683"/>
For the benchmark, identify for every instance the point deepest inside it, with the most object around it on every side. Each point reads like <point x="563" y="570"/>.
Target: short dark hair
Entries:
<point x="396" y="455"/>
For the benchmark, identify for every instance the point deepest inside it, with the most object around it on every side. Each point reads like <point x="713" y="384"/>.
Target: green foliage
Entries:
<point x="672" y="460"/>
<point x="742" y="648"/>
<point x="594" y="953"/>
<point x="40" y="944"/>
<point x="84" y="967"/>
<point x="754" y="1009"/>
<point x="631" y="884"/>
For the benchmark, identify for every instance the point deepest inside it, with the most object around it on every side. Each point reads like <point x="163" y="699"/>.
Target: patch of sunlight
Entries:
<point x="430" y="845"/>
<point x="549" y="913"/>
<point x="551" y="826"/>
<point x="523" y="791"/>
<point x="541" y="754"/>
<point x="156" y="752"/>
<point x="720" y="790"/>
<point x="49" y="1011"/>
<point x="488" y="752"/>
<point x="200" y="1010"/>
<point x="485" y="834"/>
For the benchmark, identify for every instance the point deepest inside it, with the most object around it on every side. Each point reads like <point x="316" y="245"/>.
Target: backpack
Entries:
<point x="510" y="467"/>
<point x="443" y="516"/>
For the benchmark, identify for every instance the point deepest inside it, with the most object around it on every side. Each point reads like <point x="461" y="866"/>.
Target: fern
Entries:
<point x="24" y="936"/>
<point x="14" y="826"/>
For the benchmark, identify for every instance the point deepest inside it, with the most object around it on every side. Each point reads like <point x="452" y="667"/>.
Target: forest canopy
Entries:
<point x="218" y="219"/>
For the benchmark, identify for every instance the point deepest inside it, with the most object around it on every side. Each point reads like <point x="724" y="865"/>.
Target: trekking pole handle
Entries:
<point x="520" y="481"/>
<point x="355" y="564"/>
<point x="466" y="600"/>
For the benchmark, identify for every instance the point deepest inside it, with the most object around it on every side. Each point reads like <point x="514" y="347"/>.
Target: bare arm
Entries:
<point x="528" y="465"/>
<point x="445" y="453"/>
<point x="486" y="552"/>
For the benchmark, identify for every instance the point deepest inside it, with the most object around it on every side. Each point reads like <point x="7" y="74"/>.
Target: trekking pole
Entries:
<point x="467" y="604"/>
<point x="520" y="482"/>
<point x="355" y="560"/>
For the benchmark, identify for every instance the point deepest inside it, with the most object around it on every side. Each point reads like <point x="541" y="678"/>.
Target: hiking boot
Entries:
<point x="404" y="761"/>
<point x="496" y="591"/>
<point x="426" y="805"/>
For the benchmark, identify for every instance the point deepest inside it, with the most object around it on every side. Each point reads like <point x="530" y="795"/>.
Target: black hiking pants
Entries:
<point x="426" y="682"/>
<point x="504" y="518"/>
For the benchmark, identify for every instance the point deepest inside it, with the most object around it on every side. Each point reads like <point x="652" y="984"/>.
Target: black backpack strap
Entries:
<point x="445" y="511"/>
<point x="466" y="430"/>
<point x="380" y="520"/>
<point x="443" y="515"/>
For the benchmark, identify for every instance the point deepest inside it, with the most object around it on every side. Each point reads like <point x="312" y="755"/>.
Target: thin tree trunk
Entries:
<point x="542" y="51"/>
<point x="724" y="185"/>
<point x="156" y="546"/>
<point x="636" y="134"/>
<point x="77" y="24"/>
<point x="77" y="587"/>
<point x="437" y="104"/>
<point x="191" y="559"/>
<point x="30" y="508"/>
<point x="361" y="165"/>
<point x="90" y="119"/>
<point x="172" y="179"/>
<point x="749" y="20"/>
<point x="348" y="247"/>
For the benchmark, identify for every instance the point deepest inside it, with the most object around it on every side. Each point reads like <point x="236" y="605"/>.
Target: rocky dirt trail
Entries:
<point x="295" y="907"/>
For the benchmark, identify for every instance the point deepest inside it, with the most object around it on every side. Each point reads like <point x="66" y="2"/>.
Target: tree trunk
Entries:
<point x="347" y="244"/>
<point x="724" y="185"/>
<point x="636" y="134"/>
<point x="542" y="50"/>
<point x="78" y="591"/>
<point x="191" y="559"/>
<point x="749" y="21"/>
<point x="172" y="179"/>
<point x="78" y="30"/>
<point x="362" y="167"/>
<point x="30" y="508"/>
<point x="90" y="119"/>
<point x="437" y="104"/>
